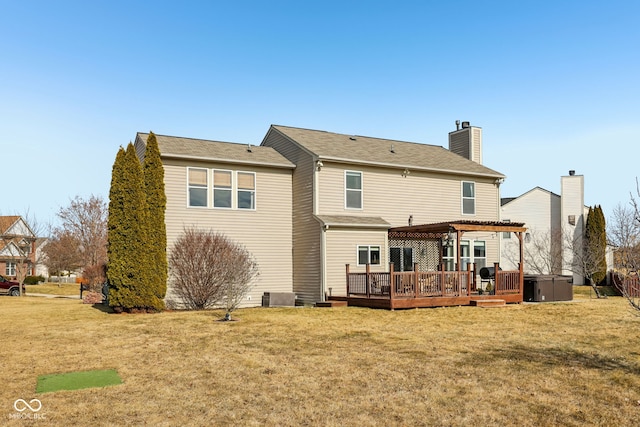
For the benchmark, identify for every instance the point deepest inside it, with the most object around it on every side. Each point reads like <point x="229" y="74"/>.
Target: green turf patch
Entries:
<point x="77" y="380"/>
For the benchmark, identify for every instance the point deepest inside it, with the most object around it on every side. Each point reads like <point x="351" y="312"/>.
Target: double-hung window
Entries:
<point x="222" y="193"/>
<point x="197" y="187"/>
<point x="368" y="255"/>
<point x="353" y="190"/>
<point x="10" y="269"/>
<point x="246" y="190"/>
<point x="468" y="198"/>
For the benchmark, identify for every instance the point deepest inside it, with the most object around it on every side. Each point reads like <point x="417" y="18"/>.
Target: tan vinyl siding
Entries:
<point x="476" y="138"/>
<point x="141" y="148"/>
<point x="266" y="232"/>
<point x="428" y="197"/>
<point x="307" y="269"/>
<point x="342" y="247"/>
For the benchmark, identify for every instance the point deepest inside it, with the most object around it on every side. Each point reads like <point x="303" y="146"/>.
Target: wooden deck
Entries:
<point x="414" y="289"/>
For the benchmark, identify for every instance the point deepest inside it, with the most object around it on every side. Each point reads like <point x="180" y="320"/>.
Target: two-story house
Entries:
<point x="306" y="203"/>
<point x="17" y="247"/>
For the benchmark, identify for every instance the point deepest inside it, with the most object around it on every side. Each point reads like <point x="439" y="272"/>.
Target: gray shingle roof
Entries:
<point x="227" y="152"/>
<point x="377" y="151"/>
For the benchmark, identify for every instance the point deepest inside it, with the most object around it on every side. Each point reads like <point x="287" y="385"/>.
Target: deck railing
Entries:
<point x="507" y="282"/>
<point x="410" y="284"/>
<point x="424" y="284"/>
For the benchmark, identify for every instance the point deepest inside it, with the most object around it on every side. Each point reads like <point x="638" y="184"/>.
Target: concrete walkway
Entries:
<point x="31" y="294"/>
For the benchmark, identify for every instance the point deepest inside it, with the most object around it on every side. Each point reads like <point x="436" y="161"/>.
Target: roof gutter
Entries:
<point x="415" y="168"/>
<point x="226" y="160"/>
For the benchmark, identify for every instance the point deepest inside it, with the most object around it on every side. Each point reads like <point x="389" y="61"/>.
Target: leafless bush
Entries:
<point x="209" y="270"/>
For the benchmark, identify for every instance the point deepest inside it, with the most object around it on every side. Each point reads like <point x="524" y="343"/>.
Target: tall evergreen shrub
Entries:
<point x="128" y="269"/>
<point x="156" y="202"/>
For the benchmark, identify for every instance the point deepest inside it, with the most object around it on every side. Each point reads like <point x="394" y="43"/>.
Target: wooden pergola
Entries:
<point x="454" y="230"/>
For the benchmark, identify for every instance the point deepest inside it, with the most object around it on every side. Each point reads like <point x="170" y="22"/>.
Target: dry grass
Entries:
<point x="54" y="289"/>
<point x="574" y="364"/>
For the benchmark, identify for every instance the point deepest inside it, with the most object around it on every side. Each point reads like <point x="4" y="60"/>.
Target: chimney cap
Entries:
<point x="465" y="125"/>
<point x="572" y="172"/>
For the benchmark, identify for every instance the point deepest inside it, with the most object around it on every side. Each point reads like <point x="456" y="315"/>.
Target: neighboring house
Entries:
<point x="549" y="218"/>
<point x="17" y="248"/>
<point x="306" y="203"/>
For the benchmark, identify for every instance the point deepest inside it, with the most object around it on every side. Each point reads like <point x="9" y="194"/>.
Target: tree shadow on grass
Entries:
<point x="556" y="357"/>
<point x="103" y="308"/>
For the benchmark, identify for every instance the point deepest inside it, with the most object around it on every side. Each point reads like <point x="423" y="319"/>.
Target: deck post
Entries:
<point x="392" y="283"/>
<point x="367" y="280"/>
<point x="496" y="277"/>
<point x="442" y="279"/>
<point x="415" y="279"/>
<point x="348" y="280"/>
<point x="470" y="277"/>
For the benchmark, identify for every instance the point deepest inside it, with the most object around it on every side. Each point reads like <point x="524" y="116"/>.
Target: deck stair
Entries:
<point x="486" y="303"/>
<point x="331" y="303"/>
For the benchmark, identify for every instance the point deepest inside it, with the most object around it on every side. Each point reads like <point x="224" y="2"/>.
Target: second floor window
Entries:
<point x="246" y="190"/>
<point x="197" y="187"/>
<point x="353" y="190"/>
<point x="468" y="198"/>
<point x="222" y="189"/>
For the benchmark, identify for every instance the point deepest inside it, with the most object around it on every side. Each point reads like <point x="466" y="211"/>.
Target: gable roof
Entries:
<point x="225" y="152"/>
<point x="382" y="152"/>
<point x="506" y="200"/>
<point x="7" y="221"/>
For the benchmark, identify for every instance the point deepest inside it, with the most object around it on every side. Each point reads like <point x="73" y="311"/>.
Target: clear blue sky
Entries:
<point x="554" y="84"/>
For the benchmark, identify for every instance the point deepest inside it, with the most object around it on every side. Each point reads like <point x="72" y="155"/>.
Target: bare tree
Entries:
<point x="586" y="258"/>
<point x="542" y="252"/>
<point x="86" y="221"/>
<point x="62" y="253"/>
<point x="624" y="235"/>
<point x="208" y="270"/>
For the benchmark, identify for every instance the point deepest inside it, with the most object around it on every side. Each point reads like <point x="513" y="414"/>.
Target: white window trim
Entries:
<point x="213" y="188"/>
<point x="351" y="189"/>
<point x="255" y="191"/>
<point x="368" y="254"/>
<point x="463" y="198"/>
<point x="471" y="246"/>
<point x="189" y="188"/>
<point x="10" y="268"/>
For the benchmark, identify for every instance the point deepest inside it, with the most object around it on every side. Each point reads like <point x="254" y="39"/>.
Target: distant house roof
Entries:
<point x="226" y="152"/>
<point x="6" y="222"/>
<point x="382" y="152"/>
<point x="505" y="200"/>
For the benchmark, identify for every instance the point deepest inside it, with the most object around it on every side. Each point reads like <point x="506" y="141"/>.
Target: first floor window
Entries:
<point x="471" y="251"/>
<point x="197" y="187"/>
<point x="10" y="269"/>
<point x="479" y="254"/>
<point x="402" y="259"/>
<point x="368" y="255"/>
